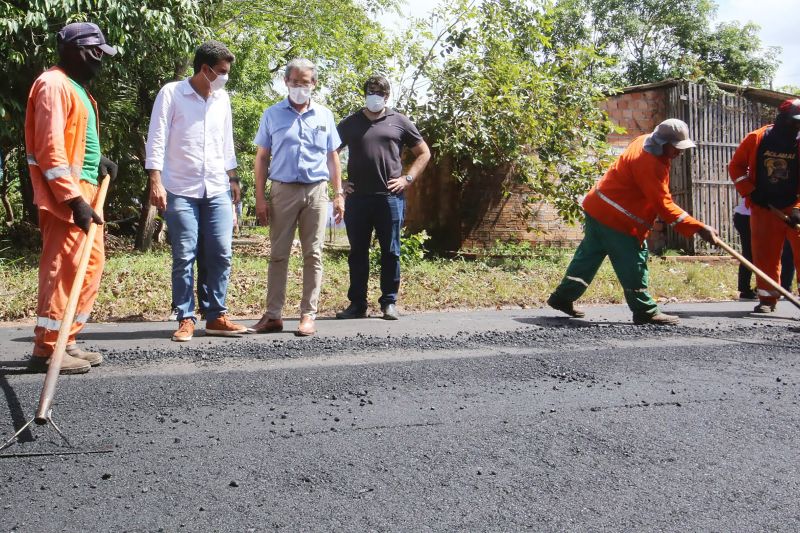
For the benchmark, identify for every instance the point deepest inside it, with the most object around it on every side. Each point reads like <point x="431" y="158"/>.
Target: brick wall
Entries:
<point x="479" y="213"/>
<point x="638" y="113"/>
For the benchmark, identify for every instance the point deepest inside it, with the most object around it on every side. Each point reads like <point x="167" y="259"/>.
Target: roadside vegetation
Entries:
<point x="136" y="286"/>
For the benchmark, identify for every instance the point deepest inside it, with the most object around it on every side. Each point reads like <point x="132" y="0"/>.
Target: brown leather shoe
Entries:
<point x="69" y="365"/>
<point x="268" y="325"/>
<point x="185" y="331"/>
<point x="222" y="326"/>
<point x="94" y="358"/>
<point x="306" y="327"/>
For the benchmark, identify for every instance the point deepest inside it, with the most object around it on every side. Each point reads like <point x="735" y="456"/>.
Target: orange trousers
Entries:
<point x="768" y="233"/>
<point x="62" y="243"/>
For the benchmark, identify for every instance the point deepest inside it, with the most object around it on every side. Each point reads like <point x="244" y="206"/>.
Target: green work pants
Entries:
<point x="628" y="257"/>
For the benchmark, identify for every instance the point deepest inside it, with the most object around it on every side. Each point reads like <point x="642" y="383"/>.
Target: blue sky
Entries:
<point x="776" y="18"/>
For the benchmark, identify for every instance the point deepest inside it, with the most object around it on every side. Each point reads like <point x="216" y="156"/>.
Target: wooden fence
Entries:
<point x="699" y="181"/>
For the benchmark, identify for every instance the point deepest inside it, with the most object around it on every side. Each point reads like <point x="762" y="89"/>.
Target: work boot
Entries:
<point x="222" y="326"/>
<point x="185" y="331"/>
<point x="658" y="319"/>
<point x="748" y="296"/>
<point x="764" y="308"/>
<point x="268" y="325"/>
<point x="353" y="311"/>
<point x="69" y="365"/>
<point x="565" y="307"/>
<point x="306" y="327"/>
<point x="94" y="358"/>
<point x="390" y="312"/>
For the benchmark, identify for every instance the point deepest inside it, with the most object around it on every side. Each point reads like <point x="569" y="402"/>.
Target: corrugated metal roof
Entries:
<point x="765" y="96"/>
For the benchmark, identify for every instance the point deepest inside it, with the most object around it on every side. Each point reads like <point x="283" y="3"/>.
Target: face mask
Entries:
<point x="299" y="95"/>
<point x="81" y="63"/>
<point x="219" y="82"/>
<point x="375" y="103"/>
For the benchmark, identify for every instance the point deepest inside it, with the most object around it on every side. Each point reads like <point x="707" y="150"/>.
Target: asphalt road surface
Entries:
<point x="498" y="421"/>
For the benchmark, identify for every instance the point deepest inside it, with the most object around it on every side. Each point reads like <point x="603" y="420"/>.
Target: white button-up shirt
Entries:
<point x="190" y="141"/>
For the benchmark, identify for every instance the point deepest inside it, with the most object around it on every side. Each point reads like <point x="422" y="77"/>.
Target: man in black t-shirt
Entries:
<point x="765" y="170"/>
<point x="375" y="137"/>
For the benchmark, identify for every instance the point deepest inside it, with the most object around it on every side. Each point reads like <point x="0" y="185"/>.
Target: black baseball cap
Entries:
<point x="85" y="34"/>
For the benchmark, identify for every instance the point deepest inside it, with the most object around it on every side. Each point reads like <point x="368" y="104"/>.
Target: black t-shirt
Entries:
<point x="375" y="148"/>
<point x="778" y="174"/>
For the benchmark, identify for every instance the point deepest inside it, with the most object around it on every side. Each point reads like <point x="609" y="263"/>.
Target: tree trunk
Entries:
<point x="148" y="219"/>
<point x="148" y="223"/>
<point x="29" y="211"/>
<point x="5" y="185"/>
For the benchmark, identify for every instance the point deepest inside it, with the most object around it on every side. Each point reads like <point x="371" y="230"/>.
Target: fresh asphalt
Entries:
<point x="471" y="421"/>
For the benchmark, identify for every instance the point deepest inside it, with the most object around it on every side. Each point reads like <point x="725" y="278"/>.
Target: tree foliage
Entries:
<point x="153" y="38"/>
<point x="652" y="40"/>
<point x="507" y="91"/>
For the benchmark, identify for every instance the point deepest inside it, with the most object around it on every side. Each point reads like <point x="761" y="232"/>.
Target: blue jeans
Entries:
<point x="188" y="220"/>
<point x="383" y="213"/>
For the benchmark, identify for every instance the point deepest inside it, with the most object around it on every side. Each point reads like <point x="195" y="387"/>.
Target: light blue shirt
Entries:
<point x="299" y="143"/>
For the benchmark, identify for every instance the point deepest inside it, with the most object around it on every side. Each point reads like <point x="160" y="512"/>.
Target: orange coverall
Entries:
<point x="768" y="232"/>
<point x="55" y="142"/>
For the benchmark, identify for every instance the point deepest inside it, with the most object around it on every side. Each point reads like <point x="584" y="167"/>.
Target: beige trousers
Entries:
<point x="295" y="206"/>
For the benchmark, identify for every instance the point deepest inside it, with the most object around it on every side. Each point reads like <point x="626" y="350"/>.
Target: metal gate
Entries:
<point x="699" y="180"/>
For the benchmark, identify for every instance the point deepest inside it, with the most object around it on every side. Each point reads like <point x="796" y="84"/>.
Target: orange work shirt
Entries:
<point x="55" y="141"/>
<point x="634" y="191"/>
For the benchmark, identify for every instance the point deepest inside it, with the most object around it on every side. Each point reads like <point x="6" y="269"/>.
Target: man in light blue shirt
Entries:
<point x="297" y="142"/>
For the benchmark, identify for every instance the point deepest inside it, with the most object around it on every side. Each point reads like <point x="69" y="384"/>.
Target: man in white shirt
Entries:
<point x="192" y="167"/>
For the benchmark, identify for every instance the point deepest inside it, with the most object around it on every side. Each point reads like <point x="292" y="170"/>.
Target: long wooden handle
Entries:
<point x="758" y="272"/>
<point x="53" y="369"/>
<point x="781" y="215"/>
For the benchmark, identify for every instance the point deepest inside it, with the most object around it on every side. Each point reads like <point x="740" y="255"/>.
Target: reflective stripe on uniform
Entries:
<point x="742" y="178"/>
<point x="48" y="323"/>
<point x="83" y="318"/>
<point x="55" y="173"/>
<point x="636" y="290"/>
<point x="679" y="220"/>
<point x="579" y="280"/>
<point x="768" y="294"/>
<point x="619" y="208"/>
<point x="31" y="160"/>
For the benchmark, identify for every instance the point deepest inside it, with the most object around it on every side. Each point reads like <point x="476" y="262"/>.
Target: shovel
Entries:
<point x="757" y="271"/>
<point x="44" y="414"/>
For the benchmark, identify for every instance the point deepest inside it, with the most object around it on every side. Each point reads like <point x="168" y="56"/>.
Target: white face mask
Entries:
<point x="219" y="82"/>
<point x="375" y="103"/>
<point x="300" y="95"/>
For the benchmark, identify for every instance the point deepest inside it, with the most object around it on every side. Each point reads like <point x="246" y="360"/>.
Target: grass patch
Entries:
<point x="137" y="286"/>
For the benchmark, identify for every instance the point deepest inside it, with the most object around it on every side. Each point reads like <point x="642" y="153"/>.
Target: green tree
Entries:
<point x="153" y="39"/>
<point x="509" y="90"/>
<point x="652" y="40"/>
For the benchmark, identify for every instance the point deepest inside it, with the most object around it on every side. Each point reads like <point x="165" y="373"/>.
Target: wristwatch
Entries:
<point x="409" y="178"/>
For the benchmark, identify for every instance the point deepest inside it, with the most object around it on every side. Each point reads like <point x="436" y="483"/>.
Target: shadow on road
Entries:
<point x="116" y="335"/>
<point x="565" y="322"/>
<point x="18" y="418"/>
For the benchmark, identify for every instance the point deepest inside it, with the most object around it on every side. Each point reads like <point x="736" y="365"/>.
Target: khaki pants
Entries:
<point x="293" y="206"/>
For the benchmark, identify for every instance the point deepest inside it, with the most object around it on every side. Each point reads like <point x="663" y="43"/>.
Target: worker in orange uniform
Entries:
<point x="63" y="151"/>
<point x="620" y="210"/>
<point x="766" y="172"/>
